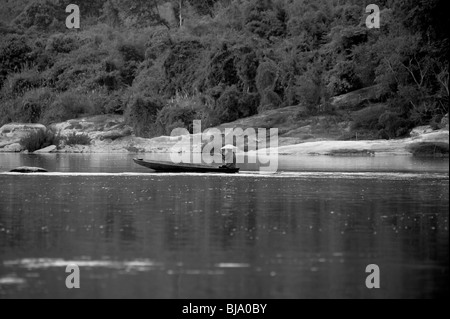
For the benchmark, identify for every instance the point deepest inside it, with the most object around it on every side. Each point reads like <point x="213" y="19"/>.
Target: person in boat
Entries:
<point x="229" y="156"/>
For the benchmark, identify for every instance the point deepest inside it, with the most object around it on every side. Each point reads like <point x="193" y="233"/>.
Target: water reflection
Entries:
<point x="175" y="236"/>
<point x="114" y="163"/>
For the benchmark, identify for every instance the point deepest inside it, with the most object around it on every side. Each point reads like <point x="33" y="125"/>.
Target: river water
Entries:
<point x="308" y="231"/>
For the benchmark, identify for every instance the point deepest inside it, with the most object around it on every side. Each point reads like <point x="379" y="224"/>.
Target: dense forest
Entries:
<point x="164" y="63"/>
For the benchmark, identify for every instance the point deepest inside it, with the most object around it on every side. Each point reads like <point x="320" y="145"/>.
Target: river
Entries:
<point x="308" y="231"/>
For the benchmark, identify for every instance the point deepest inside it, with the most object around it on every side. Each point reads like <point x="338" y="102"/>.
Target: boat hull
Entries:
<point x="183" y="167"/>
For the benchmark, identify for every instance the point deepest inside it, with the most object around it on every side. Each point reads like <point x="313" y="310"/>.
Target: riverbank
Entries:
<point x="110" y="134"/>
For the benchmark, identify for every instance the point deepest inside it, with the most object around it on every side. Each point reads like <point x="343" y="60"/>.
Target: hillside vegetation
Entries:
<point x="163" y="64"/>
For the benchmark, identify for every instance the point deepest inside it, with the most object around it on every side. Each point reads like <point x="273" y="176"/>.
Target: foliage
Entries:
<point x="234" y="104"/>
<point x="393" y="125"/>
<point x="14" y="55"/>
<point x="61" y="43"/>
<point x="77" y="139"/>
<point x="39" y="14"/>
<point x="427" y="149"/>
<point x="171" y="117"/>
<point x="31" y="107"/>
<point x="228" y="59"/>
<point x="66" y="106"/>
<point x="368" y="118"/>
<point x="232" y="65"/>
<point x="182" y="66"/>
<point x="141" y="114"/>
<point x="265" y="19"/>
<point x="39" y="139"/>
<point x="19" y="83"/>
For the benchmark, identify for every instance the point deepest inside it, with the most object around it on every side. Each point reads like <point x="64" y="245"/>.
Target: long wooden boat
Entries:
<point x="183" y="167"/>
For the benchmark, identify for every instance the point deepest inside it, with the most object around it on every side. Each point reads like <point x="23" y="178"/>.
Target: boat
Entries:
<point x="169" y="167"/>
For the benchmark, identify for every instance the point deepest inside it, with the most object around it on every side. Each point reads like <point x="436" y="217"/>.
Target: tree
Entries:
<point x="14" y="55"/>
<point x="140" y="12"/>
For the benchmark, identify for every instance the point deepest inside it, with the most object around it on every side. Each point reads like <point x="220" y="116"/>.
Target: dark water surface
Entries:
<point x="299" y="234"/>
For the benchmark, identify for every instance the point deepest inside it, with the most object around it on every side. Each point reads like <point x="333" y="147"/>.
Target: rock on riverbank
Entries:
<point x="408" y="146"/>
<point x="111" y="134"/>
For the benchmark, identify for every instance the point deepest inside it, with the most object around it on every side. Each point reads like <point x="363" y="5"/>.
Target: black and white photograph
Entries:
<point x="224" y="154"/>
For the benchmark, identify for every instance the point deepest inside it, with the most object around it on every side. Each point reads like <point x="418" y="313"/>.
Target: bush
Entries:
<point x="171" y="117"/>
<point x="78" y="139"/>
<point x="108" y="102"/>
<point x="182" y="67"/>
<point x="39" y="14"/>
<point x="343" y="78"/>
<point x="61" y="43"/>
<point x="40" y="139"/>
<point x="19" y="83"/>
<point x="131" y="52"/>
<point x="429" y="149"/>
<point x="270" y="100"/>
<point x="7" y="109"/>
<point x="33" y="105"/>
<point x="233" y="105"/>
<point x="310" y="87"/>
<point x="368" y="118"/>
<point x="393" y="125"/>
<point x="266" y="81"/>
<point x="141" y="113"/>
<point x="14" y="55"/>
<point x="265" y="20"/>
<point x="230" y="66"/>
<point x="266" y="76"/>
<point x="67" y="106"/>
<point x="77" y="69"/>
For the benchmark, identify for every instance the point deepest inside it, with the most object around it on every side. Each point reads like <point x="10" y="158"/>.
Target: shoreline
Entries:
<point x="111" y="135"/>
<point x="361" y="148"/>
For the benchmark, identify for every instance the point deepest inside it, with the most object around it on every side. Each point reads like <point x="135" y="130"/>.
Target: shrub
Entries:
<point x="14" y="54"/>
<point x="368" y="118"/>
<point x="149" y="81"/>
<point x="429" y="149"/>
<point x="61" y="43"/>
<point x="310" y="87"/>
<point x="182" y="66"/>
<point x="343" y="78"/>
<point x="7" y="109"/>
<point x="230" y="66"/>
<point x="265" y="20"/>
<point x="67" y="106"/>
<point x="79" y="68"/>
<point x="33" y="105"/>
<point x="131" y="52"/>
<point x="141" y="113"/>
<point x="266" y="76"/>
<point x="108" y="102"/>
<point x="266" y="81"/>
<point x="233" y="105"/>
<point x="78" y="139"/>
<point x="393" y="125"/>
<point x="19" y="83"/>
<point x="39" y="139"/>
<point x="270" y="100"/>
<point x="171" y="117"/>
<point x="111" y="80"/>
<point x="39" y="14"/>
